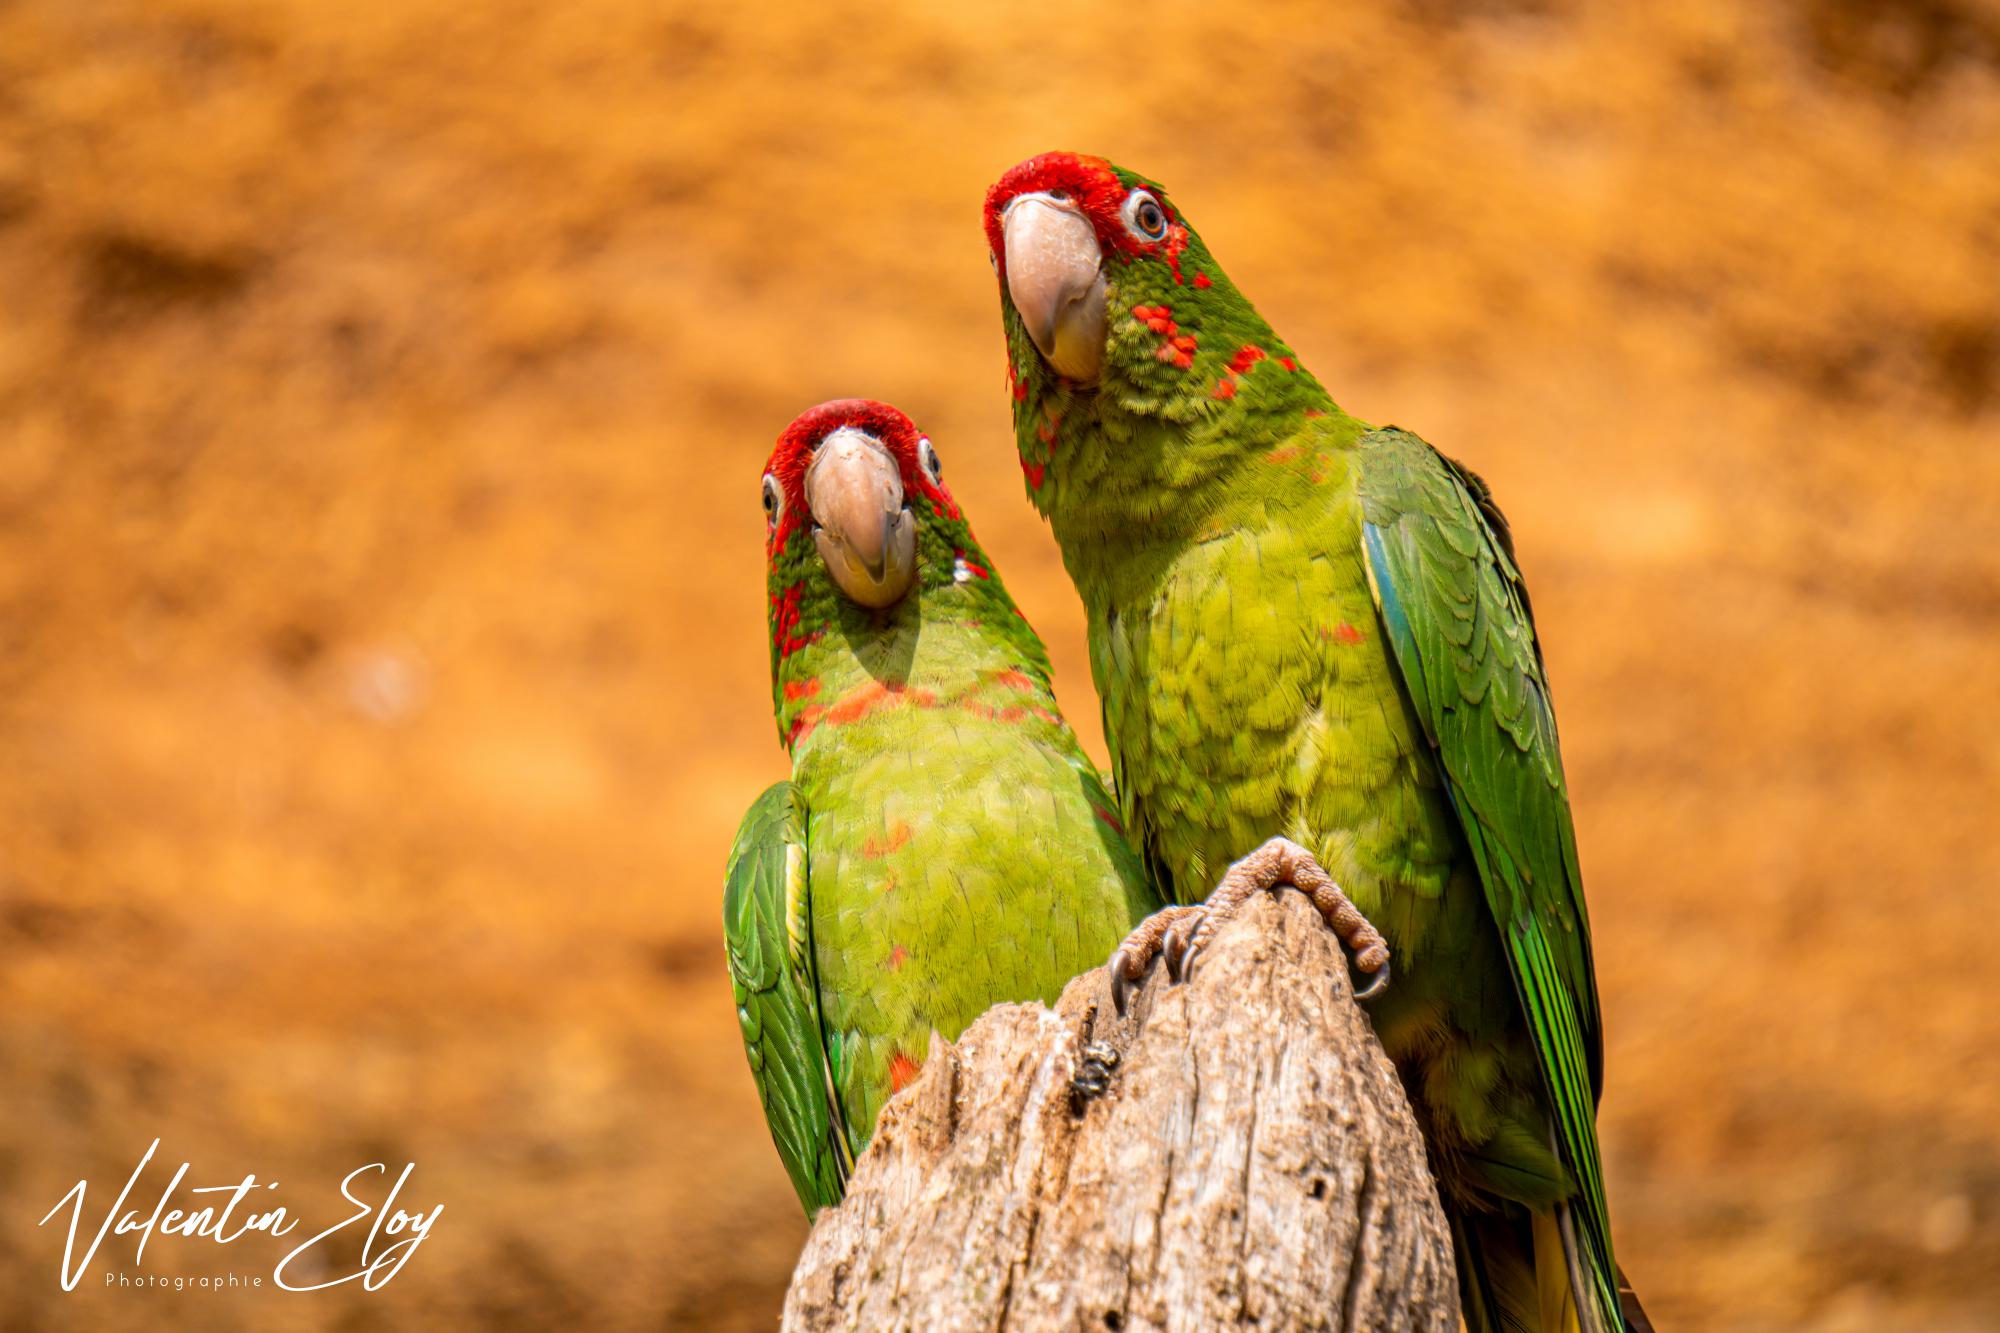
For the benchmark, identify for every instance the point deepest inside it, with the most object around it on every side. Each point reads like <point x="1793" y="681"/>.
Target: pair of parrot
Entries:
<point x="1301" y="627"/>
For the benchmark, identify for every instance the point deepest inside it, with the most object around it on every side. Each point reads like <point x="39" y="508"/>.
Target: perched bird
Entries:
<point x="943" y="844"/>
<point x="1303" y="625"/>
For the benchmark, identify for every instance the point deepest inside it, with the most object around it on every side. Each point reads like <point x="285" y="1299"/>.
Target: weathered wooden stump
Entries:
<point x="1252" y="1161"/>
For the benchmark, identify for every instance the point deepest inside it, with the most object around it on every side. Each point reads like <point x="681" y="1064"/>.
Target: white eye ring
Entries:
<point x="928" y="457"/>
<point x="774" y="501"/>
<point x="1143" y="216"/>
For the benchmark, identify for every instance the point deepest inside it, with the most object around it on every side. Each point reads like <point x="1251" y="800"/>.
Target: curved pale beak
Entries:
<point x="864" y="534"/>
<point x="1055" y="275"/>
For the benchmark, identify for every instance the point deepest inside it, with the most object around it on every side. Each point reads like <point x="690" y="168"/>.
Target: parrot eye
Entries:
<point x="774" y="500"/>
<point x="928" y="457"/>
<point x="1144" y="217"/>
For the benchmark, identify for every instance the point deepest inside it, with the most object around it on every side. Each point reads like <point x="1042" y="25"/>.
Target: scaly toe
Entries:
<point x="1177" y="947"/>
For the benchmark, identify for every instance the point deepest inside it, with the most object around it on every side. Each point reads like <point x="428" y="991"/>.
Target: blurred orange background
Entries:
<point x="383" y="396"/>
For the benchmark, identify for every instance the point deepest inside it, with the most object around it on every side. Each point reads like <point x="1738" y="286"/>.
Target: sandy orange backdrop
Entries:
<point x="383" y="393"/>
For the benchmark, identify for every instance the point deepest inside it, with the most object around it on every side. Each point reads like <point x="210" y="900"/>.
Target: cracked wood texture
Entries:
<point x="1252" y="1162"/>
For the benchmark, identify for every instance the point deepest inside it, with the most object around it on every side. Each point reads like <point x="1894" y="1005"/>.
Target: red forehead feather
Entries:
<point x="1091" y="181"/>
<point x="796" y="446"/>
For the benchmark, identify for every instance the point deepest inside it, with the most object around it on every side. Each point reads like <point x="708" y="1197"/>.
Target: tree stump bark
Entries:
<point x="1251" y="1161"/>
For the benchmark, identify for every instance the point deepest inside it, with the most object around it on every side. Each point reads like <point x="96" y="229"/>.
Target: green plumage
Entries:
<point x="1301" y="625"/>
<point x="777" y="997"/>
<point x="943" y="844"/>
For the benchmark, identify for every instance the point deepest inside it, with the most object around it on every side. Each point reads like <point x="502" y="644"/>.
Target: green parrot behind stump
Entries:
<point x="1302" y="625"/>
<point x="943" y="845"/>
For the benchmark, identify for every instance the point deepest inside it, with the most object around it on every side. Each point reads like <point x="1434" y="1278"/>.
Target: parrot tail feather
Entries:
<point x="1522" y="1272"/>
<point x="1636" y="1318"/>
<point x="1556" y="1276"/>
<point x="1497" y="1289"/>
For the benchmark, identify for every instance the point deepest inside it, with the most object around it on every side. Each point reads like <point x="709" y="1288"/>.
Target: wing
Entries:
<point x="765" y="924"/>
<point x="1440" y="563"/>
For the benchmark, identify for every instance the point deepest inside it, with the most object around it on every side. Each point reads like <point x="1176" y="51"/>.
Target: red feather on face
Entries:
<point x="794" y="454"/>
<point x="1095" y="187"/>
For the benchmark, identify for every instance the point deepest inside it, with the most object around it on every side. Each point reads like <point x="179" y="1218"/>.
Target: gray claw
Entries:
<point x="1376" y="986"/>
<point x="1118" y="982"/>
<point x="1175" y="949"/>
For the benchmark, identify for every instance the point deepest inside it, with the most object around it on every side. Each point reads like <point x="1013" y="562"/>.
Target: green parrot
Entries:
<point x="1303" y="625"/>
<point x="943" y="844"/>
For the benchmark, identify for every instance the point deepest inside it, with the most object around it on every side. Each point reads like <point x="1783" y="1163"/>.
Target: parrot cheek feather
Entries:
<point x="1246" y="356"/>
<point x="1177" y="242"/>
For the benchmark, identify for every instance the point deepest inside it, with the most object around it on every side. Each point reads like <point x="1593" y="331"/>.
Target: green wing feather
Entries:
<point x="764" y="923"/>
<point x="1440" y="562"/>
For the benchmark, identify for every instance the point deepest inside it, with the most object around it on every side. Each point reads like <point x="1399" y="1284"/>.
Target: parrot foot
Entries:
<point x="1180" y="933"/>
<point x="1141" y="947"/>
<point x="1096" y="1062"/>
<point x="1093" y="1073"/>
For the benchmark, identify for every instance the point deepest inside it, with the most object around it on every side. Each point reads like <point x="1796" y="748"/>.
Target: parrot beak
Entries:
<point x="864" y="534"/>
<point x="1055" y="275"/>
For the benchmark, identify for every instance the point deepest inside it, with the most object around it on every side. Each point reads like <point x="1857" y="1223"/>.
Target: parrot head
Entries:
<point x="847" y="488"/>
<point x="868" y="554"/>
<point x="1113" y="304"/>
<point x="1067" y="231"/>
